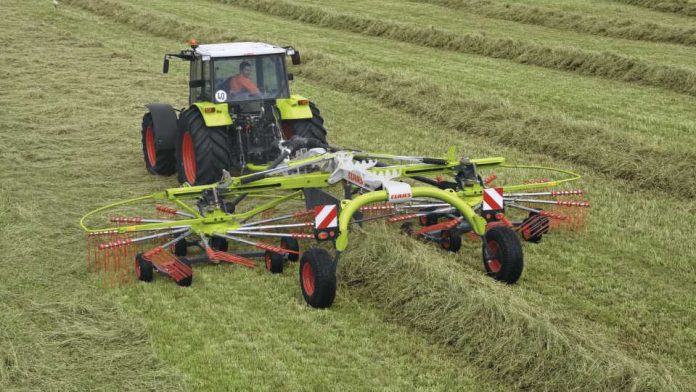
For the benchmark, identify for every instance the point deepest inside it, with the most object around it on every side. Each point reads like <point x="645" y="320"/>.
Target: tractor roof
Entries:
<point x="238" y="49"/>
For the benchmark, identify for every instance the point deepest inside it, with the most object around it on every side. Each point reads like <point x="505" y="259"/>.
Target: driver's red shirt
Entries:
<point x="240" y="83"/>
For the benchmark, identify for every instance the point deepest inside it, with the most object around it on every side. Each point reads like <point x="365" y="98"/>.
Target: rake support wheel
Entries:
<point x="202" y="152"/>
<point x="274" y="262"/>
<point x="144" y="269"/>
<point x="450" y="240"/>
<point x="505" y="260"/>
<point x="291" y="244"/>
<point x="318" y="278"/>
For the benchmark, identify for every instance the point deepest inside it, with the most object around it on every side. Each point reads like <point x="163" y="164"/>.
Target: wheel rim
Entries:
<point x="268" y="261"/>
<point x="150" y="146"/>
<point x="308" y="279"/>
<point x="137" y="268"/>
<point x="188" y="156"/>
<point x="494" y="263"/>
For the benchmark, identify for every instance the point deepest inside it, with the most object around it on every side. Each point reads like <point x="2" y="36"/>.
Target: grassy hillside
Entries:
<point x="608" y="309"/>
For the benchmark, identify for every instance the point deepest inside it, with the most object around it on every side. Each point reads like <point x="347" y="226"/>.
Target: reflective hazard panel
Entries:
<point x="326" y="222"/>
<point x="492" y="199"/>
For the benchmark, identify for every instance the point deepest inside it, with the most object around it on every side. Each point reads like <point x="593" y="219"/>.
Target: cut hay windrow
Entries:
<point x="601" y="64"/>
<point x="488" y="324"/>
<point x="574" y="21"/>
<point x="594" y="146"/>
<point x="683" y="7"/>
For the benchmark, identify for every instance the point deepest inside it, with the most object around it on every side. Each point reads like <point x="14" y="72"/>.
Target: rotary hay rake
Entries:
<point x="316" y="197"/>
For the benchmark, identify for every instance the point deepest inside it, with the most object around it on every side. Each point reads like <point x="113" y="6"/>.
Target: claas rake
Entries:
<point x="313" y="199"/>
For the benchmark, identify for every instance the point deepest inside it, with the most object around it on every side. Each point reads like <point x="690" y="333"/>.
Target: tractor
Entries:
<point x="239" y="112"/>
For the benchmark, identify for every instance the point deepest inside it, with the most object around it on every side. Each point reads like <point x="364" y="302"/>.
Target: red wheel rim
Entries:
<point x="188" y="156"/>
<point x="268" y="261"/>
<point x="150" y="146"/>
<point x="494" y="263"/>
<point x="445" y="240"/>
<point x="308" y="279"/>
<point x="137" y="268"/>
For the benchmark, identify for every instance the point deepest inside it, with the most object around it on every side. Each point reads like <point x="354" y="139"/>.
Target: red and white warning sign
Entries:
<point x="492" y="199"/>
<point x="325" y="216"/>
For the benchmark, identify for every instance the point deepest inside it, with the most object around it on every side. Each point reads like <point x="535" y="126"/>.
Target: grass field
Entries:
<point x="612" y="308"/>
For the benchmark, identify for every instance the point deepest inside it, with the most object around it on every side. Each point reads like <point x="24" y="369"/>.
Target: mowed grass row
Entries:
<point x="76" y="146"/>
<point x="624" y="27"/>
<point x="642" y="163"/>
<point x="683" y="7"/>
<point x="619" y="288"/>
<point x="604" y="64"/>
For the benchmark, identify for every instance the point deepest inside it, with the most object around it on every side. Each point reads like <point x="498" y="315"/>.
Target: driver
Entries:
<point x="241" y="83"/>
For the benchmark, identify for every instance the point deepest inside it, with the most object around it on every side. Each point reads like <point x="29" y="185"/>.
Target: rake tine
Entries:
<point x="259" y="245"/>
<point x="172" y="211"/>
<point x="564" y="203"/>
<point x="574" y="192"/>
<point x="291" y="225"/>
<point x="129" y="241"/>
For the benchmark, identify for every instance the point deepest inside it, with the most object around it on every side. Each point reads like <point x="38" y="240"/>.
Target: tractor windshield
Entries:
<point x="250" y="78"/>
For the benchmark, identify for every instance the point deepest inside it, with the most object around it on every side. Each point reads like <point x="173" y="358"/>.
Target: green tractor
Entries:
<point x="240" y="111"/>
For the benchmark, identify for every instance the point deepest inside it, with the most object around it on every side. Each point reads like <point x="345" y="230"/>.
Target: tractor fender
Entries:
<point x="294" y="108"/>
<point x="164" y="123"/>
<point x="214" y="114"/>
<point x="350" y="207"/>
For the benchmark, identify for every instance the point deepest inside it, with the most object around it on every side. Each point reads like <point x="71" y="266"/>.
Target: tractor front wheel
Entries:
<point x="309" y="128"/>
<point x="158" y="160"/>
<point x="202" y="152"/>
<point x="318" y="278"/>
<point x="502" y="255"/>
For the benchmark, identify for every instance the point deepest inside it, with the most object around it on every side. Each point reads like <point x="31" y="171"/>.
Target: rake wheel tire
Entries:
<point x="290" y="243"/>
<point x="181" y="248"/>
<point x="186" y="282"/>
<point x="202" y="152"/>
<point x="144" y="269"/>
<point x="544" y="222"/>
<point x="428" y="220"/>
<point x="274" y="262"/>
<point x="311" y="128"/>
<point x="219" y="243"/>
<point x="451" y="240"/>
<point x="318" y="278"/>
<point x="507" y="261"/>
<point x="158" y="160"/>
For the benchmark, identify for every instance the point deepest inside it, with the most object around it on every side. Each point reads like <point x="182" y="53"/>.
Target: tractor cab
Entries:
<point x="237" y="72"/>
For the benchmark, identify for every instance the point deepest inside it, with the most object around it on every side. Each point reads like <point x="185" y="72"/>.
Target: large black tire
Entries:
<point x="318" y="278"/>
<point x="310" y="128"/>
<point x="158" y="160"/>
<point x="506" y="259"/>
<point x="202" y="152"/>
<point x="144" y="269"/>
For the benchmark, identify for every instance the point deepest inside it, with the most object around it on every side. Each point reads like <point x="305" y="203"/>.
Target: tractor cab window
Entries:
<point x="199" y="81"/>
<point x="250" y="78"/>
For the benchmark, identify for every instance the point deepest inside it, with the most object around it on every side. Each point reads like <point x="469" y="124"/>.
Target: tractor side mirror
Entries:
<point x="296" y="58"/>
<point x="291" y="76"/>
<point x="165" y="65"/>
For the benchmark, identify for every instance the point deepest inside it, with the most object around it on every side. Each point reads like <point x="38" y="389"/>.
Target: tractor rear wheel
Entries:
<point x="318" y="278"/>
<point x="202" y="152"/>
<point x="310" y="128"/>
<point x="158" y="160"/>
<point x="505" y="260"/>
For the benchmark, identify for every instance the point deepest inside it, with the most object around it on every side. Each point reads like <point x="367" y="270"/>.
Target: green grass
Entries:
<point x="608" y="309"/>
<point x="595" y="23"/>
